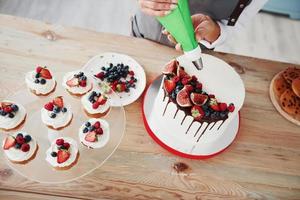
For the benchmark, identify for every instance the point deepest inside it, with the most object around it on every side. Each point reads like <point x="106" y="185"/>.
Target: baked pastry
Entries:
<point x="20" y="147"/>
<point x="12" y="115"/>
<point x="290" y="74"/>
<point x="296" y="86"/>
<point x="95" y="104"/>
<point x="280" y="85"/>
<point x="63" y="153"/>
<point x="77" y="82"/>
<point x="40" y="81"/>
<point x="94" y="133"/>
<point x="57" y="114"/>
<point x="290" y="103"/>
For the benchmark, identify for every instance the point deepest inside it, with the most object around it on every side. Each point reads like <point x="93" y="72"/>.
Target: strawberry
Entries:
<point x="25" y="147"/>
<point x="20" y="139"/>
<point x="100" y="75"/>
<point x="121" y="87"/>
<point x="60" y="142"/>
<point x="49" y="106"/>
<point x="97" y="125"/>
<point x="73" y="82"/>
<point x="96" y="105"/>
<point x="9" y="142"/>
<point x="231" y="107"/>
<point x="45" y="73"/>
<point x="59" y="102"/>
<point x="91" y="136"/>
<point x="38" y="69"/>
<point x="82" y="83"/>
<point x="169" y="85"/>
<point x="102" y="100"/>
<point x="8" y="109"/>
<point x="197" y="112"/>
<point x="99" y="131"/>
<point x="66" y="145"/>
<point x="222" y="106"/>
<point x="62" y="156"/>
<point x="215" y="107"/>
<point x="131" y="73"/>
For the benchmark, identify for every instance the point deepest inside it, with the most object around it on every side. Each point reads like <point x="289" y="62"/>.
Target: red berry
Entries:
<point x="60" y="142"/>
<point x="222" y="106"/>
<point x="194" y="78"/>
<point x="189" y="88"/>
<point x="131" y="73"/>
<point x="97" y="125"/>
<point x="184" y="81"/>
<point x="231" y="107"/>
<point x="96" y="105"/>
<point x="215" y="107"/>
<point x="99" y="131"/>
<point x="25" y="147"/>
<point x="66" y="145"/>
<point x="45" y="73"/>
<point x="82" y="83"/>
<point x="62" y="156"/>
<point x="176" y="79"/>
<point x="100" y="75"/>
<point x="49" y="106"/>
<point x="211" y="96"/>
<point x="20" y="139"/>
<point x="38" y="69"/>
<point x="8" y="109"/>
<point x="199" y="86"/>
<point x="169" y="85"/>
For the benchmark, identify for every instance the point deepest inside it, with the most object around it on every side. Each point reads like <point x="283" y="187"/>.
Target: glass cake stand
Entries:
<point x="39" y="169"/>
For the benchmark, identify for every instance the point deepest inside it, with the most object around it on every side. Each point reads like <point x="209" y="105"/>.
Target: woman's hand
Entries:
<point x="205" y="29"/>
<point x="157" y="7"/>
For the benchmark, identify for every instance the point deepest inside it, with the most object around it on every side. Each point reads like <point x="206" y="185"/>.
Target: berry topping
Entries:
<point x="231" y="107"/>
<point x="25" y="147"/>
<point x="62" y="156"/>
<point x="27" y="138"/>
<point x="197" y="112"/>
<point x="222" y="106"/>
<point x="9" y="142"/>
<point x="66" y="145"/>
<point x="87" y="124"/>
<point x="38" y="69"/>
<point x="97" y="125"/>
<point x="99" y="131"/>
<point x="60" y="142"/>
<point x="20" y="139"/>
<point x="82" y="83"/>
<point x="8" y="109"/>
<point x="198" y="99"/>
<point x="14" y="107"/>
<point x="96" y="105"/>
<point x="183" y="98"/>
<point x="49" y="106"/>
<point x="91" y="137"/>
<point x="43" y="81"/>
<point x="53" y="154"/>
<point x="74" y="82"/>
<point x="85" y="130"/>
<point x="64" y="110"/>
<point x="102" y="100"/>
<point x="59" y="102"/>
<point x="169" y="85"/>
<point x="45" y="73"/>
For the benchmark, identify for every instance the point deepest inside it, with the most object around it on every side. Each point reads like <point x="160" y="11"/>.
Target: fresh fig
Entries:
<point x="199" y="99"/>
<point x="171" y="67"/>
<point x="180" y="72"/>
<point x="183" y="98"/>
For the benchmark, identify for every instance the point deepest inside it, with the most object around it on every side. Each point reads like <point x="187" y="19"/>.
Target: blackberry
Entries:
<point x="215" y="115"/>
<point x="43" y="81"/>
<point x="223" y="114"/>
<point x="111" y="65"/>
<point x="27" y="138"/>
<point x="37" y="81"/>
<point x="53" y="154"/>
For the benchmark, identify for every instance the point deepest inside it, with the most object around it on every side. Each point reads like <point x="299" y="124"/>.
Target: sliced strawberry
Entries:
<point x="49" y="106"/>
<point x="9" y="142"/>
<point x="222" y="106"/>
<point x="169" y="85"/>
<point x="38" y="69"/>
<point x="82" y="83"/>
<point x="91" y="136"/>
<point x="59" y="102"/>
<point x="96" y="105"/>
<point x="231" y="107"/>
<point x="73" y="82"/>
<point x="102" y="100"/>
<point x="215" y="107"/>
<point x="45" y="73"/>
<point x="197" y="112"/>
<point x="62" y="156"/>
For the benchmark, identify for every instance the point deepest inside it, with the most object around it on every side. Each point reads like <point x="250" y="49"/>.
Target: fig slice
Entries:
<point x="199" y="99"/>
<point x="183" y="98"/>
<point x="171" y="67"/>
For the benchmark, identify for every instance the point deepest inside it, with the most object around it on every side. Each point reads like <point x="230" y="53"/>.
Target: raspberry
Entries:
<point x="97" y="125"/>
<point x="199" y="86"/>
<point x="38" y="69"/>
<point x="66" y="145"/>
<point x="100" y="75"/>
<point x="176" y="79"/>
<point x="99" y="131"/>
<point x="211" y="96"/>
<point x="49" y="106"/>
<point x="82" y="83"/>
<point x="8" y="109"/>
<point x="231" y="107"/>
<point x="194" y="78"/>
<point x="25" y="147"/>
<point x="20" y="139"/>
<point x="60" y="142"/>
<point x="131" y="73"/>
<point x="184" y="81"/>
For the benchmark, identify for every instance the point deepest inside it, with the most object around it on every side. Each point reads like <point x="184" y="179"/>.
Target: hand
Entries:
<point x="205" y="29"/>
<point x="158" y="7"/>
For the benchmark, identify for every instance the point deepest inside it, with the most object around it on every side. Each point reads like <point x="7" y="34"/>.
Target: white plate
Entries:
<point x="94" y="65"/>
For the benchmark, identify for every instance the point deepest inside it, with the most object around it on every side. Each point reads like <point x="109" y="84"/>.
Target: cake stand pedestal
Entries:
<point x="165" y="140"/>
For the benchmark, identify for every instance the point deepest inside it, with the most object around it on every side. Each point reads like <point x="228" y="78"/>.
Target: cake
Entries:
<point x="63" y="153"/>
<point x="95" y="104"/>
<point x="94" y="133"/>
<point x="185" y="109"/>
<point x="77" y="82"/>
<point x="40" y="81"/>
<point x="12" y="115"/>
<point x="57" y="114"/>
<point x="20" y="147"/>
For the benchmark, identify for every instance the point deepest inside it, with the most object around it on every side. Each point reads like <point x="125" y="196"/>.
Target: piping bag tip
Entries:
<point x="198" y="63"/>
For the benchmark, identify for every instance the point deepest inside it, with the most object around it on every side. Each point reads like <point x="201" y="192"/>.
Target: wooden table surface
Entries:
<point x="262" y="163"/>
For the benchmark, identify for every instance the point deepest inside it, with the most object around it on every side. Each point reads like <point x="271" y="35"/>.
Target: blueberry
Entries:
<point x="94" y="93"/>
<point x="52" y="115"/>
<point x="215" y="115"/>
<point x="3" y="113"/>
<point x="37" y="75"/>
<point x="83" y="78"/>
<point x="80" y="74"/>
<point x="111" y="65"/>
<point x="91" y="128"/>
<point x="18" y="146"/>
<point x="53" y="154"/>
<point x="87" y="124"/>
<point x="20" y="135"/>
<point x="37" y="81"/>
<point x="15" y="108"/>
<point x="27" y="138"/>
<point x="64" y="109"/>
<point x="223" y="114"/>
<point x="43" y="81"/>
<point x="103" y="68"/>
<point x="135" y="80"/>
<point x="62" y="147"/>
<point x="56" y="109"/>
<point x="11" y="115"/>
<point x="173" y="95"/>
<point x="207" y="113"/>
<point x="85" y="130"/>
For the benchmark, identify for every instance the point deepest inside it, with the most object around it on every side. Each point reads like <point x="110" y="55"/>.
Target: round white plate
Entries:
<point x="94" y="65"/>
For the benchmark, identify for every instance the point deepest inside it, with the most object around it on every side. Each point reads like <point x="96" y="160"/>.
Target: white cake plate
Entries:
<point x="167" y="141"/>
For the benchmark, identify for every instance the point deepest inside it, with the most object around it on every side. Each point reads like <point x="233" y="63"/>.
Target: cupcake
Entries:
<point x="77" y="83"/>
<point x="95" y="104"/>
<point x="20" y="148"/>
<point x="63" y="153"/>
<point x="40" y="81"/>
<point x="12" y="115"/>
<point x="57" y="114"/>
<point x="94" y="133"/>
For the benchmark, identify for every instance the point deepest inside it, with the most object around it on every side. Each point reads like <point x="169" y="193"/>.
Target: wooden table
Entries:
<point x="262" y="163"/>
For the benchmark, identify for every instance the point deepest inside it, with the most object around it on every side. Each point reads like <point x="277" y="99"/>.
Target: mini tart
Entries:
<point x="20" y="147"/>
<point x="12" y="115"/>
<point x="40" y="81"/>
<point x="95" y="104"/>
<point x="63" y="153"/>
<point x="77" y="82"/>
<point x="57" y="114"/>
<point x="94" y="133"/>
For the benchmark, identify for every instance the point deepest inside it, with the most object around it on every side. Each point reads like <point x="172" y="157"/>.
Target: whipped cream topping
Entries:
<point x="18" y="155"/>
<point x="77" y="89"/>
<point x="73" y="152"/>
<point x="10" y="123"/>
<point x="88" y="106"/>
<point x="102" y="139"/>
<point x="61" y="119"/>
<point x="39" y="88"/>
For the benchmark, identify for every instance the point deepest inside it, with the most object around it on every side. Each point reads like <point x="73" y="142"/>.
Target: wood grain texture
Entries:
<point x="262" y="163"/>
